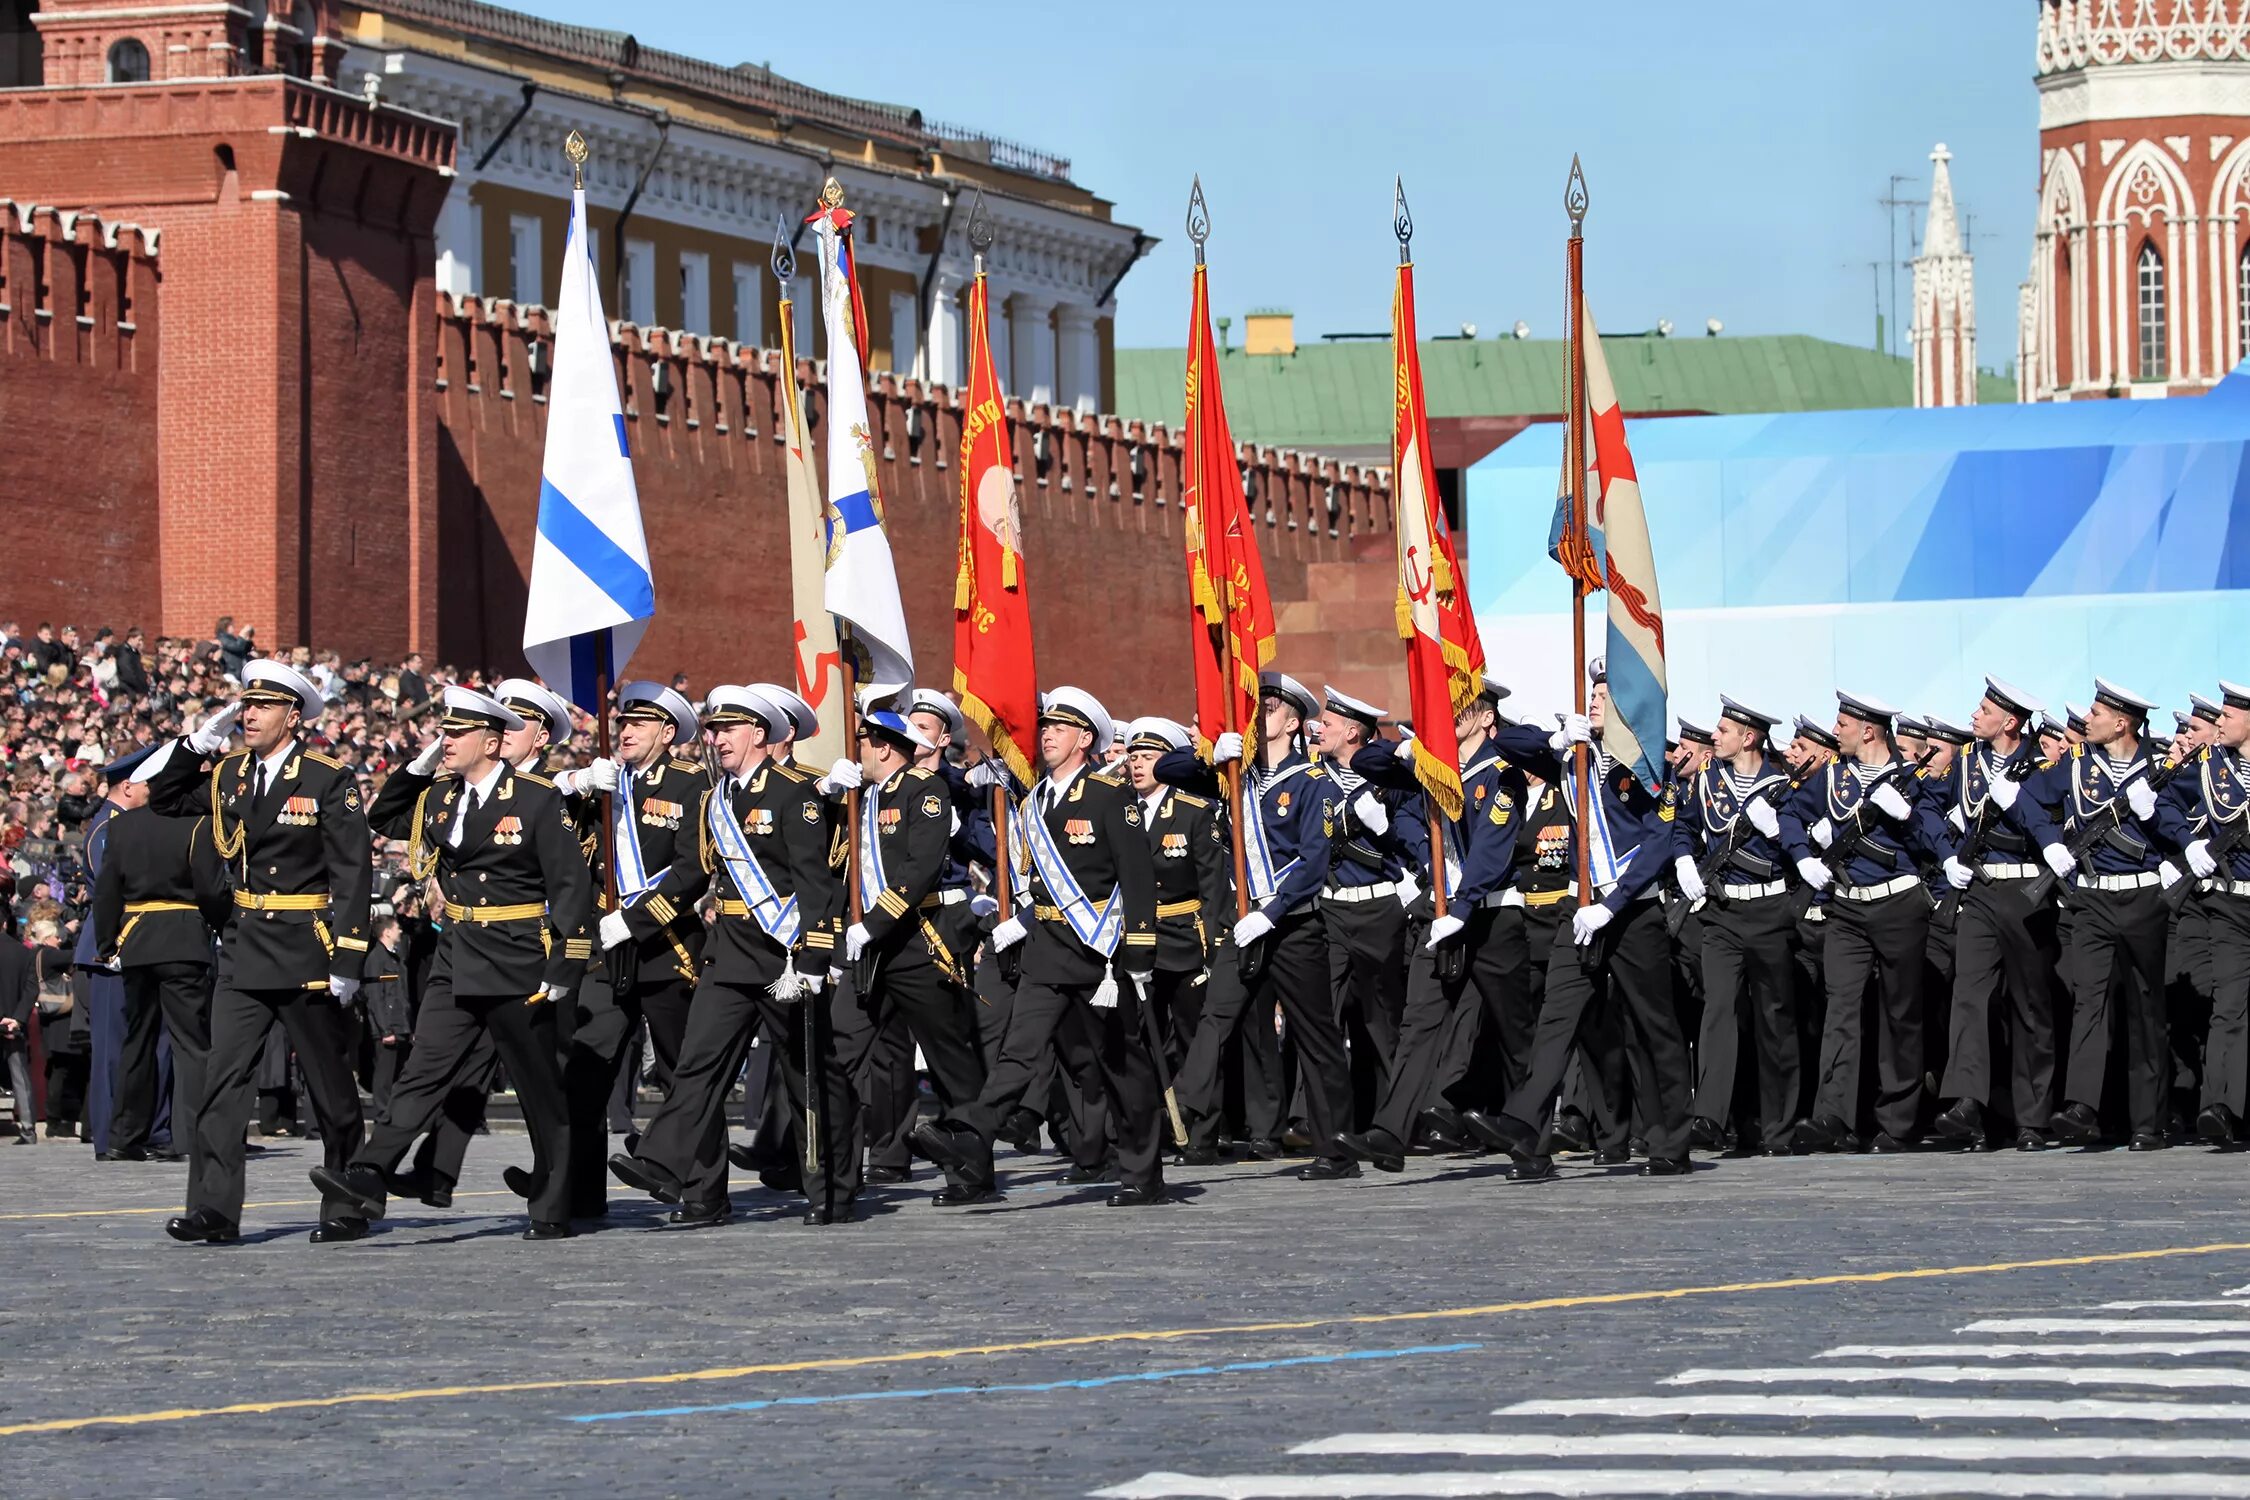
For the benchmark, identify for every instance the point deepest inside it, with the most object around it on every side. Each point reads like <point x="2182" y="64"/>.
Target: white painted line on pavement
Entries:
<point x="2107" y="1325"/>
<point x="1823" y="1483"/>
<point x="1918" y="1408"/>
<point x="2199" y="1377"/>
<point x="2179" y="1302"/>
<point x="1698" y="1445"/>
<point x="2038" y="1351"/>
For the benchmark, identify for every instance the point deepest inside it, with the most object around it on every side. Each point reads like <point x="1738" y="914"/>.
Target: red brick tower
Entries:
<point x="293" y="437"/>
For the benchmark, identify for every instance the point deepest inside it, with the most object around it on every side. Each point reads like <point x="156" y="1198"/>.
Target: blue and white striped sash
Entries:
<point x="778" y="918"/>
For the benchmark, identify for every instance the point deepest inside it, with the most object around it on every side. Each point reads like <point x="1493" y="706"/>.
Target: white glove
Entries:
<point x="1007" y="934"/>
<point x="114" y="965"/>
<point x="2168" y="874"/>
<point x="1407" y="889"/>
<point x="2058" y="860"/>
<point x="1226" y="747"/>
<point x="841" y="777"/>
<point x="1587" y="921"/>
<point x="1956" y="822"/>
<point x="614" y="930"/>
<point x="1372" y="815"/>
<point x="1405" y="750"/>
<point x="855" y="942"/>
<point x="2141" y="797"/>
<point x="2004" y="793"/>
<point x="1823" y="833"/>
<point x="341" y="989"/>
<point x="601" y="776"/>
<point x="554" y="992"/>
<point x="1890" y="802"/>
<point x="1252" y="928"/>
<point x="1105" y="993"/>
<point x="426" y="762"/>
<point x="1814" y="874"/>
<point x="813" y="981"/>
<point x="1689" y="877"/>
<point x="1442" y="928"/>
<point x="981" y="905"/>
<point x="985" y="774"/>
<point x="210" y="737"/>
<point x="1959" y="875"/>
<point x="2200" y="861"/>
<point x="1576" y="729"/>
<point x="1763" y="818"/>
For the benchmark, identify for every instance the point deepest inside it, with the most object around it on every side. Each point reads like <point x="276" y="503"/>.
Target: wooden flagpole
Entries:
<point x="1575" y="202"/>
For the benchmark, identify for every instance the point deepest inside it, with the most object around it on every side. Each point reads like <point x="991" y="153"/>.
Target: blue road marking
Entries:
<point x="1096" y="1382"/>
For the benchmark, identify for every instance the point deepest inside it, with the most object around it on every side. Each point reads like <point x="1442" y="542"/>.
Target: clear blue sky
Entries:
<point x="1736" y="151"/>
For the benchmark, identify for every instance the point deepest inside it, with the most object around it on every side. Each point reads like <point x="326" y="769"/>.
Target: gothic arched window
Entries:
<point x="2242" y="303"/>
<point x="2154" y="341"/>
<point x="128" y="62"/>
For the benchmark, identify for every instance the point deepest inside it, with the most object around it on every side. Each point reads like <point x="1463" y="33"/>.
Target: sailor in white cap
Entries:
<point x="504" y="850"/>
<point x="760" y="843"/>
<point x="2119" y="833"/>
<point x="2004" y="954"/>
<point x="1731" y="860"/>
<point x="1873" y="825"/>
<point x="1085" y="913"/>
<point x="803" y="724"/>
<point x="288" y="821"/>
<point x="1282" y="944"/>
<point x="2214" y="794"/>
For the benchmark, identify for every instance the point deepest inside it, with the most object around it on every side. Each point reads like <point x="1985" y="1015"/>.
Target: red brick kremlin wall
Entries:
<point x="330" y="452"/>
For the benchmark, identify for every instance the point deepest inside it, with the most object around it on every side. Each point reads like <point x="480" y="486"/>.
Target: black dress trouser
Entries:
<point x="2117" y="954"/>
<point x="1750" y="984"/>
<point x="174" y="997"/>
<point x="1098" y="1047"/>
<point x="1875" y="946"/>
<point x="2005" y="986"/>
<point x="321" y="1035"/>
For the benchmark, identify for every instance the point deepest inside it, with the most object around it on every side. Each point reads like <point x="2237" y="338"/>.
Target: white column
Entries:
<point x="459" y="236"/>
<point x="1078" y="358"/>
<point x="2105" y="304"/>
<point x="1032" y="361"/>
<point x="2080" y="284"/>
<point x="946" y="347"/>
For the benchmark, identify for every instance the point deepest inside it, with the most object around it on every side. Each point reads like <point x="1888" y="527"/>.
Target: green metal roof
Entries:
<point x="1338" y="395"/>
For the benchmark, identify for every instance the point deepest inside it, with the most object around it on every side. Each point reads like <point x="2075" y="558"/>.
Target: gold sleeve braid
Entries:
<point x="419" y="865"/>
<point x="228" y="848"/>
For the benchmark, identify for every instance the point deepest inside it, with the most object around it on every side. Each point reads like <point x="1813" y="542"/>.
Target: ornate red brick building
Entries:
<point x="219" y="318"/>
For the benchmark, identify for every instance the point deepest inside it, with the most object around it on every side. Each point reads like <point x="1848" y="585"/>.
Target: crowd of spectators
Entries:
<point x="73" y="699"/>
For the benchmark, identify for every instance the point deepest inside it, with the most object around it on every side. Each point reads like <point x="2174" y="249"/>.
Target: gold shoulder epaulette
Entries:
<point x="922" y="773"/>
<point x="1189" y="799"/>
<point x="535" y="779"/>
<point x="1316" y="771"/>
<point x="686" y="767"/>
<point x="327" y="760"/>
<point x="789" y="772"/>
<point x="1106" y="779"/>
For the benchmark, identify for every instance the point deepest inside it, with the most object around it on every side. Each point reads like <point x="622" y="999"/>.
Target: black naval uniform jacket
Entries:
<point x="667" y="803"/>
<point x="516" y="892"/>
<point x="1194" y="878"/>
<point x="300" y="859"/>
<point x="1096" y="825"/>
<point x="161" y="891"/>
<point x="914" y="826"/>
<point x="788" y="826"/>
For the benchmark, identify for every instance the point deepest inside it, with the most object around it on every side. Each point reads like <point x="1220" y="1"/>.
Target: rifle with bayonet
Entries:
<point x="1979" y="838"/>
<point x="2098" y="828"/>
<point x="1838" y="855"/>
<point x="1722" y="853"/>
<point x="2233" y="838"/>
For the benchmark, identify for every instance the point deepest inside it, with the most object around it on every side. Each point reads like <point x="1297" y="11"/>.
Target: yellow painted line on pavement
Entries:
<point x="1122" y="1336"/>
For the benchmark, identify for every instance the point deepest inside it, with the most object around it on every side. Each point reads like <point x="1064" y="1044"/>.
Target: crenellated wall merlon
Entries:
<point x="496" y="350"/>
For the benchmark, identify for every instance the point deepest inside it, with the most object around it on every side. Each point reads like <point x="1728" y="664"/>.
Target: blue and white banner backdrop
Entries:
<point x="591" y="595"/>
<point x="1901" y="553"/>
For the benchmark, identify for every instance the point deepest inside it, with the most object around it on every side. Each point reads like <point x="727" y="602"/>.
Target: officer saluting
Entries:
<point x="504" y="850"/>
<point x="762" y="841"/>
<point x="287" y="821"/>
<point x="1085" y="913"/>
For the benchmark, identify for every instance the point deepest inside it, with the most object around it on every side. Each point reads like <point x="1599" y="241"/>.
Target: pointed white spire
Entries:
<point x="1943" y="236"/>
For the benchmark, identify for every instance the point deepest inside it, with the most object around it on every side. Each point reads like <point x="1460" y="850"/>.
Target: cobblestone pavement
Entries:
<point x="1014" y="1350"/>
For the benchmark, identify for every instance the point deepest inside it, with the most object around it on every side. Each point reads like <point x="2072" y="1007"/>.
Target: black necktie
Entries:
<point x="258" y="785"/>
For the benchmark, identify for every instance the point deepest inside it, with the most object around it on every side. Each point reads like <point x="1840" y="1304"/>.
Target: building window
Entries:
<point x="695" y="291"/>
<point x="749" y="319"/>
<point x="523" y="260"/>
<point x="2153" y="343"/>
<point x="2242" y="305"/>
<point x="128" y="62"/>
<point x="636" y="284"/>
